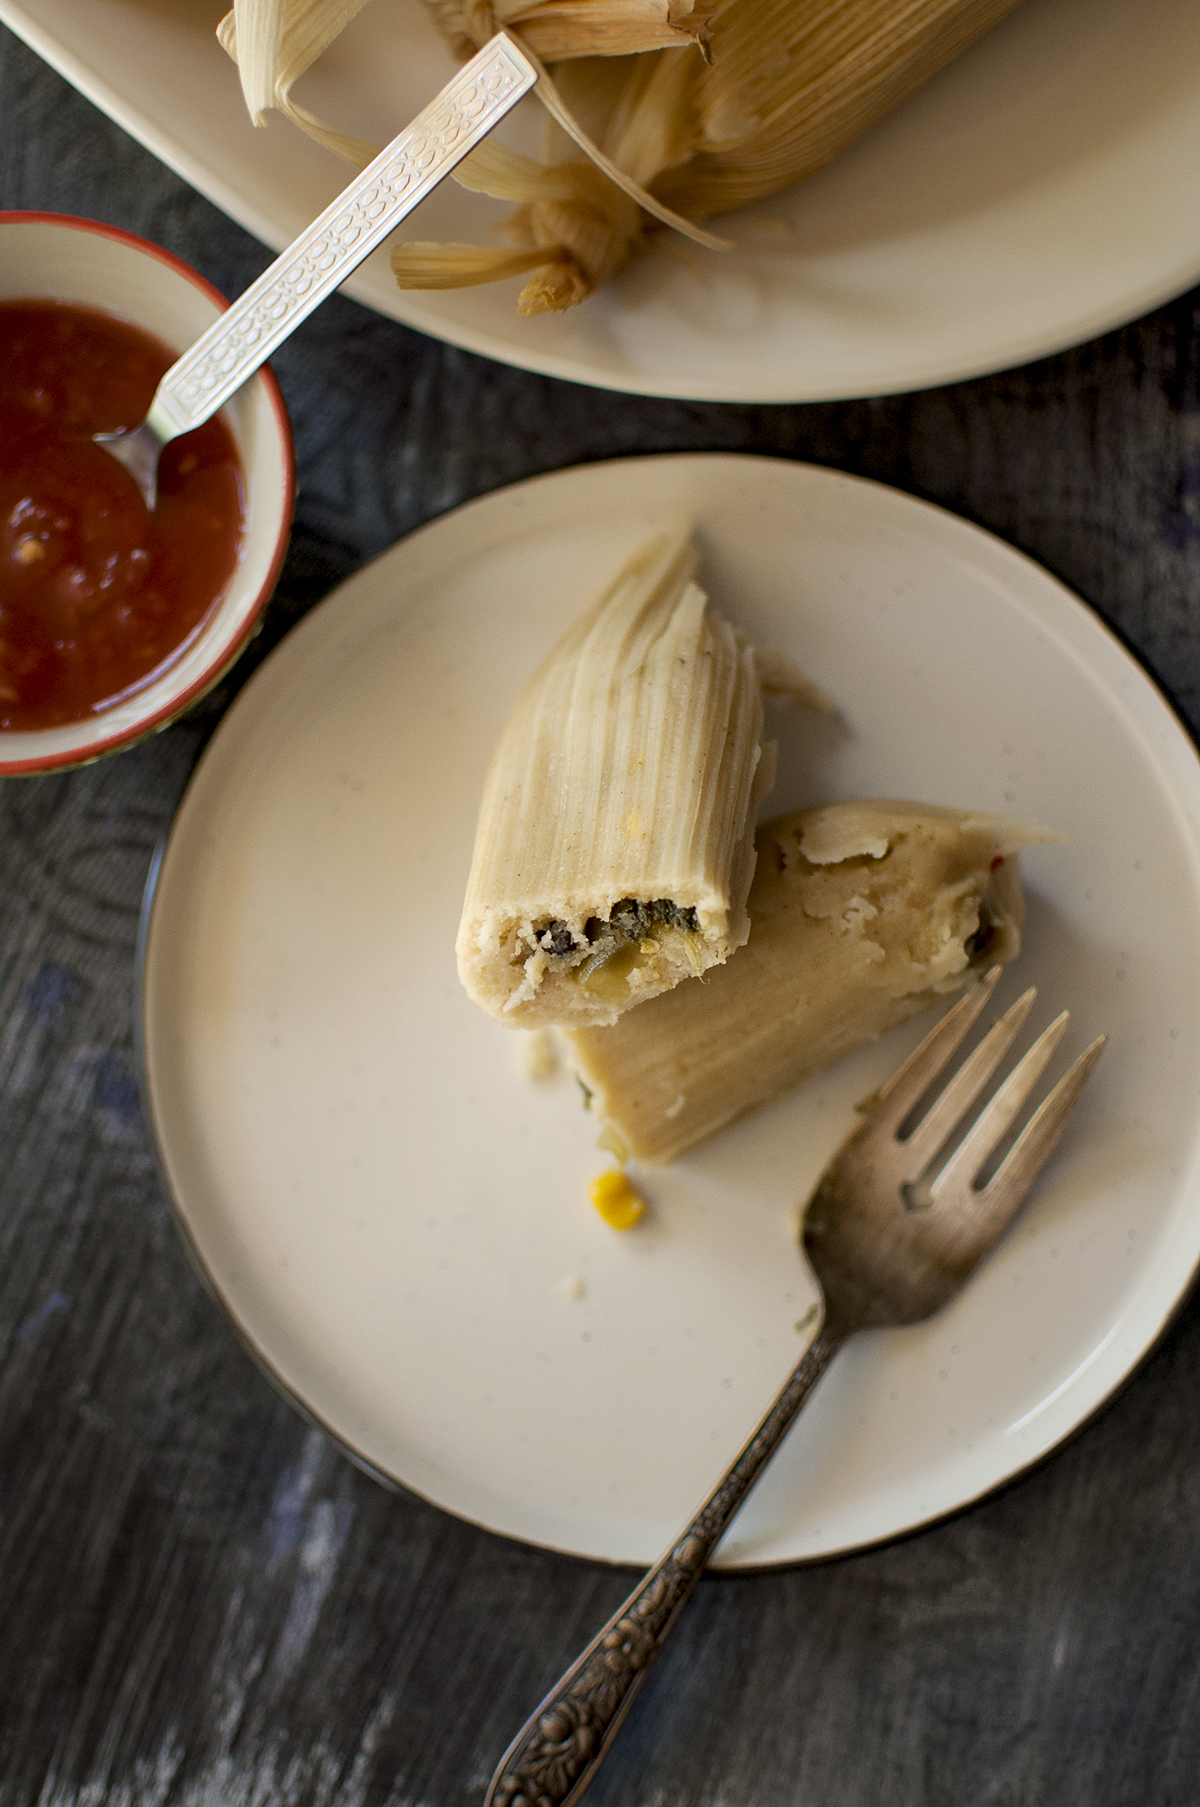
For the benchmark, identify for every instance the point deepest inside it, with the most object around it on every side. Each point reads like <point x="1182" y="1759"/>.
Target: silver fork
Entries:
<point x="899" y="1219"/>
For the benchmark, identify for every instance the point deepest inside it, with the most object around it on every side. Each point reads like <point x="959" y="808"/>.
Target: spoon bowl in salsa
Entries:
<point x="114" y="619"/>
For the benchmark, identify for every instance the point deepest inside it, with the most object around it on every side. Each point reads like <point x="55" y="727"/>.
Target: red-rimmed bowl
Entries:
<point x="54" y="257"/>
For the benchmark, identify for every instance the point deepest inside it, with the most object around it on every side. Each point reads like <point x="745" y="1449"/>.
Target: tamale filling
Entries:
<point x="613" y="947"/>
<point x="631" y="920"/>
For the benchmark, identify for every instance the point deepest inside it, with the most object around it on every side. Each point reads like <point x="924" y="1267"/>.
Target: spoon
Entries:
<point x="379" y="197"/>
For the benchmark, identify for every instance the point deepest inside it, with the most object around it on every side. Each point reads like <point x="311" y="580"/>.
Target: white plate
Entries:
<point x="1040" y="190"/>
<point x="389" y="1209"/>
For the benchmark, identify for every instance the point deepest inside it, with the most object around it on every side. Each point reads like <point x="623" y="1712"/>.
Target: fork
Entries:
<point x="898" y="1221"/>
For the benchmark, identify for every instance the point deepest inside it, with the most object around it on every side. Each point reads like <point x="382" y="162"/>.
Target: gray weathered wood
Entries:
<point x="202" y="1601"/>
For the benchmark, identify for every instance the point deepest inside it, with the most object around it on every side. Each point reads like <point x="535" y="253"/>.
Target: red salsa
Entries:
<point x="97" y="595"/>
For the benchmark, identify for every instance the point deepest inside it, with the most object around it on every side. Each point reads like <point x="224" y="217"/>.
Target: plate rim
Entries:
<point x="1079" y="608"/>
<point x="1018" y="350"/>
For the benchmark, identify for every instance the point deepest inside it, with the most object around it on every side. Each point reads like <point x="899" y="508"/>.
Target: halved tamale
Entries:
<point x="615" y="844"/>
<point x="863" y="913"/>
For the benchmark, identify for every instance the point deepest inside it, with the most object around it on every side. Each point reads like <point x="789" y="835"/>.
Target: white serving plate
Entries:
<point x="1043" y="188"/>
<point x="389" y="1210"/>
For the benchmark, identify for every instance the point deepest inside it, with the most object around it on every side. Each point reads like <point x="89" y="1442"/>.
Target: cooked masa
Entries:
<point x="615" y="843"/>
<point x="863" y="913"/>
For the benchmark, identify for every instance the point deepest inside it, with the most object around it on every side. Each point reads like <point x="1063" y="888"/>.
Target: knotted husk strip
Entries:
<point x="788" y="85"/>
<point x="862" y="914"/>
<point x="572" y="223"/>
<point x="466" y="266"/>
<point x="626" y="775"/>
<point x="565" y="119"/>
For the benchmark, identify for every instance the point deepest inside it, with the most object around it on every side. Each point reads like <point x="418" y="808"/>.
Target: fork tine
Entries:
<point x="952" y="1104"/>
<point x="992" y="1123"/>
<point x="970" y="1223"/>
<point x="923" y="1065"/>
<point x="1034" y="1146"/>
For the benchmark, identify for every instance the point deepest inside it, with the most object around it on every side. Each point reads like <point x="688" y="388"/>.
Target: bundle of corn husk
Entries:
<point x="662" y="113"/>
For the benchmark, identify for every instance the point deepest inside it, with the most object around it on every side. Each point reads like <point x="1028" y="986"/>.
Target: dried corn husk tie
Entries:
<point x="572" y="228"/>
<point x="788" y="84"/>
<point x="579" y="224"/>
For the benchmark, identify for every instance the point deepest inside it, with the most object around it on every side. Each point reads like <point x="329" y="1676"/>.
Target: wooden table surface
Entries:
<point x="203" y="1601"/>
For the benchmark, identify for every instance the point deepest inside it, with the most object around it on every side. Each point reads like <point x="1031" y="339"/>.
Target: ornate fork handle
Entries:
<point x="322" y="257"/>
<point x="558" y="1751"/>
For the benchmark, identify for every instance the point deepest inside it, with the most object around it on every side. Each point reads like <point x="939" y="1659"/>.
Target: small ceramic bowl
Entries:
<point x="46" y="256"/>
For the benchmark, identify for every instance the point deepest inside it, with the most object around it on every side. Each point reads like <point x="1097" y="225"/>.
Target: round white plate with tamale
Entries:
<point x="396" y="1217"/>
<point x="1042" y="188"/>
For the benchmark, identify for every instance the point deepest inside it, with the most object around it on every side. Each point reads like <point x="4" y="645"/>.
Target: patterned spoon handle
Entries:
<point x="232" y="349"/>
<point x="559" y="1749"/>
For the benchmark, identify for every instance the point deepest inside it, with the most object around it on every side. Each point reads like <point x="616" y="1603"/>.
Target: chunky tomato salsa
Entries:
<point x="98" y="595"/>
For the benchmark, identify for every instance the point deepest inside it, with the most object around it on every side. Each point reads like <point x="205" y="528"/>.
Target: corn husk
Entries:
<point x="615" y="843"/>
<point x="683" y="111"/>
<point x="786" y="86"/>
<point x="863" y="914"/>
<point x="273" y="42"/>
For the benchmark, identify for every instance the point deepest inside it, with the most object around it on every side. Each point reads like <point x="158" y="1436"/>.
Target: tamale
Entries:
<point x="862" y="914"/>
<point x="666" y="113"/>
<point x="781" y="88"/>
<point x="615" y="843"/>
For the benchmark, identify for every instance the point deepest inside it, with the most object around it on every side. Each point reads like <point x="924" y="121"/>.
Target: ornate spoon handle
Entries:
<point x="232" y="349"/>
<point x="555" y="1755"/>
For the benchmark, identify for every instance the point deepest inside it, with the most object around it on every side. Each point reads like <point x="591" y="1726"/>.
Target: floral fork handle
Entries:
<point x="557" y="1753"/>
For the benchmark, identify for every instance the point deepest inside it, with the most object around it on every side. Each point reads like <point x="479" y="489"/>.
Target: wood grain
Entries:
<point x="203" y="1602"/>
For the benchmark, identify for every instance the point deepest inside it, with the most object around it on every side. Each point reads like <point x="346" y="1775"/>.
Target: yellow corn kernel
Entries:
<point x="619" y="1203"/>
